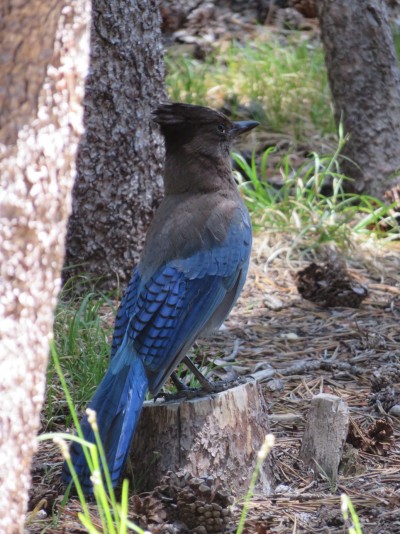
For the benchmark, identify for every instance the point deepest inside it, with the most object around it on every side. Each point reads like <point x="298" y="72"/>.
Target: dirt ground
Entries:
<point x="352" y="353"/>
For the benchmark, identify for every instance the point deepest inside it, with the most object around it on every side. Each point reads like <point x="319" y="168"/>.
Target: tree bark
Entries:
<point x="325" y="434"/>
<point x="365" y="83"/>
<point x="218" y="435"/>
<point x="119" y="182"/>
<point x="42" y="67"/>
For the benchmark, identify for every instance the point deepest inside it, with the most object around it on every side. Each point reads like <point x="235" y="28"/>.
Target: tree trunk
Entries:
<point x="365" y="83"/>
<point x="119" y="181"/>
<point x="325" y="435"/>
<point x="42" y="67"/>
<point x="217" y="435"/>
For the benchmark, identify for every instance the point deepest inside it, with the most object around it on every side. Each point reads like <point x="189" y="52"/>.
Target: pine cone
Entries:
<point x="148" y="511"/>
<point x="195" y="501"/>
<point x="381" y="435"/>
<point x="385" y="376"/>
<point x="330" y="285"/>
<point x="387" y="397"/>
<point x="377" y="439"/>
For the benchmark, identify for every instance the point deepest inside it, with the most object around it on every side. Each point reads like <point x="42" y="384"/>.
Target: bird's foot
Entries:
<point x="183" y="394"/>
<point x="207" y="385"/>
<point x="208" y="388"/>
<point x="221" y="385"/>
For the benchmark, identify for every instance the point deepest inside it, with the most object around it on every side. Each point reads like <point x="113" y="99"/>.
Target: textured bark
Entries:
<point x="217" y="436"/>
<point x="365" y="83"/>
<point x="325" y="434"/>
<point x="43" y="63"/>
<point x="119" y="180"/>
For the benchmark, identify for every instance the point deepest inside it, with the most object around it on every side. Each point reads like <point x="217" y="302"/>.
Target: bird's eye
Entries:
<point x="221" y="128"/>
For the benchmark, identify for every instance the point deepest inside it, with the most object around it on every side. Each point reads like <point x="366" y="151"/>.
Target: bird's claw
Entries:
<point x="208" y="388"/>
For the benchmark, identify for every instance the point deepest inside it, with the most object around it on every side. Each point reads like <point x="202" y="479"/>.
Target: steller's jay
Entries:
<point x="191" y="272"/>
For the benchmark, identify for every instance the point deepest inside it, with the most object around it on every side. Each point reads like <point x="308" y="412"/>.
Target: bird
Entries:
<point x="191" y="271"/>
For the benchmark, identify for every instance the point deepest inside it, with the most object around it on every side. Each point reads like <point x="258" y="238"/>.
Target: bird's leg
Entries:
<point x="204" y="382"/>
<point x="180" y="386"/>
<point x="207" y="385"/>
<point x="186" y="392"/>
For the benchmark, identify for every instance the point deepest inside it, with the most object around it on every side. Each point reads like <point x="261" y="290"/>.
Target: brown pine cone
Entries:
<point x="376" y="439"/>
<point x="330" y="285"/>
<point x="385" y="376"/>
<point x="195" y="501"/>
<point x="149" y="511"/>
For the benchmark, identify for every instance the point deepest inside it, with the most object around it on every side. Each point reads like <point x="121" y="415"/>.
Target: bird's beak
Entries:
<point x="242" y="127"/>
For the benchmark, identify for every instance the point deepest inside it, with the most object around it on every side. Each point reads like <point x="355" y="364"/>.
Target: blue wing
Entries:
<point x="164" y="315"/>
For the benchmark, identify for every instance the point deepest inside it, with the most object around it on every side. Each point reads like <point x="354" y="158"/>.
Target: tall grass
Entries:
<point x="283" y="84"/>
<point x="302" y="208"/>
<point x="112" y="515"/>
<point x="82" y="331"/>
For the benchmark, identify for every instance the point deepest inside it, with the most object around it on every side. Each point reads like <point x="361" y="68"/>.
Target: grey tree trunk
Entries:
<point x="365" y="82"/>
<point x="120" y="157"/>
<point x="45" y="50"/>
<point x="218" y="435"/>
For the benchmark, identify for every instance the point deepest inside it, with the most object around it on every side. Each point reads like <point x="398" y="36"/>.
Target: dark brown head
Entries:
<point x="181" y="123"/>
<point x="197" y="136"/>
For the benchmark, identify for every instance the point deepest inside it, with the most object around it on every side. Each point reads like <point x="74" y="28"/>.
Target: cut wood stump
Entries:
<point x="218" y="435"/>
<point x="325" y="434"/>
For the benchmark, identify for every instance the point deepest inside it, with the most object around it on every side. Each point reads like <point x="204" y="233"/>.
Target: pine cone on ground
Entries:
<point x="381" y="435"/>
<point x="376" y="439"/>
<point x="193" y="502"/>
<point x="385" y="376"/>
<point x="200" y="505"/>
<point x="330" y="285"/>
<point x="149" y="511"/>
<point x="386" y="397"/>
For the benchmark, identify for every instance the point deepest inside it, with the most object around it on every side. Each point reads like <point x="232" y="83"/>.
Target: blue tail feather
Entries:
<point x="118" y="403"/>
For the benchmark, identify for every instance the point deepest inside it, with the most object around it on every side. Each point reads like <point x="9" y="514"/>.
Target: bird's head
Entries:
<point x="198" y="127"/>
<point x="198" y="142"/>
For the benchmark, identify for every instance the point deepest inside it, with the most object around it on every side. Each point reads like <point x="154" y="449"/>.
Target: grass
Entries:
<point x="284" y="86"/>
<point x="113" y="515"/>
<point x="82" y="331"/>
<point x="302" y="208"/>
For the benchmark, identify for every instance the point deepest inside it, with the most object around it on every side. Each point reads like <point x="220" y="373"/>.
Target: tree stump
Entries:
<point x="218" y="435"/>
<point x="325" y="434"/>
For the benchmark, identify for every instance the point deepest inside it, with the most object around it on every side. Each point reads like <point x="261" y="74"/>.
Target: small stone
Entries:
<point x="282" y="488"/>
<point x="395" y="410"/>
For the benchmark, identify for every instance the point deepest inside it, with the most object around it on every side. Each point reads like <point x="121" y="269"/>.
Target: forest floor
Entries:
<point x="335" y="350"/>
